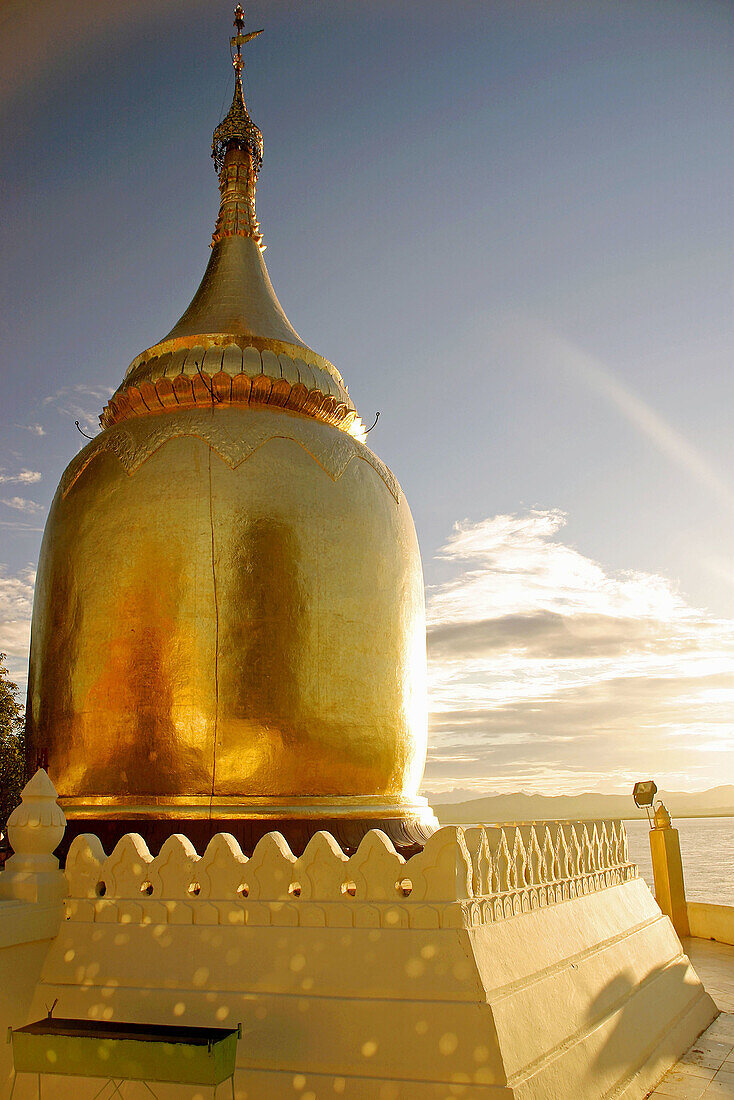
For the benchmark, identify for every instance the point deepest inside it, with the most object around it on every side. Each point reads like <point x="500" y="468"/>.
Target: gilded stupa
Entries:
<point x="228" y="628"/>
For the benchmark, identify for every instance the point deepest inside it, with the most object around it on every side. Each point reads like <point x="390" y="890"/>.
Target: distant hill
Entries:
<point x="717" y="802"/>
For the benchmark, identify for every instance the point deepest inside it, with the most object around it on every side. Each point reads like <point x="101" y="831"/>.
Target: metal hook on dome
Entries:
<point x="78" y="427"/>
<point x="377" y="417"/>
<point x="210" y="388"/>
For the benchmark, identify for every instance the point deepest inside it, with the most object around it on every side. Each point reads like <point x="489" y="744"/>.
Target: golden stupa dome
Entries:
<point x="228" y="626"/>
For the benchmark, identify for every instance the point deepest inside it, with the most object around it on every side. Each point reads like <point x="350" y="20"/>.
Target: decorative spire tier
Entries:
<point x="234" y="344"/>
<point x="237" y="127"/>
<point x="237" y="217"/>
<point x="237" y="152"/>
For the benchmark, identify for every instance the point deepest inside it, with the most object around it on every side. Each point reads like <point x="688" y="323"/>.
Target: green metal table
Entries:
<point x="121" y="1052"/>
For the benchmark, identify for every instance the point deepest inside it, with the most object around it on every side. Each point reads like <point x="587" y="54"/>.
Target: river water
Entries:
<point x="707" y="850"/>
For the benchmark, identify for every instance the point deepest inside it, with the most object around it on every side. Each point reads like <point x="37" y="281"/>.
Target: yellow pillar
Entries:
<point x="667" y="869"/>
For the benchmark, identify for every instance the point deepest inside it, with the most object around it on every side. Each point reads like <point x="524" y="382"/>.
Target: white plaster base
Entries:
<point x="587" y="998"/>
<point x="27" y="931"/>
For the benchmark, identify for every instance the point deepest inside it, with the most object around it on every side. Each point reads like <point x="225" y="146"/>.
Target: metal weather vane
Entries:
<point x="239" y="40"/>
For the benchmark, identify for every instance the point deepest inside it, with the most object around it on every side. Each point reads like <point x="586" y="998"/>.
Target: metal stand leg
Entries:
<point x="105" y="1086"/>
<point x="216" y="1089"/>
<point x="15" y="1078"/>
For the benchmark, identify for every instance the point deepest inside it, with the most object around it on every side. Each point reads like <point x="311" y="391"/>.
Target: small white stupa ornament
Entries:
<point x="36" y="827"/>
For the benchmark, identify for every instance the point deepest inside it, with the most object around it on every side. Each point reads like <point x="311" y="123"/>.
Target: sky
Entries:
<point x="509" y="224"/>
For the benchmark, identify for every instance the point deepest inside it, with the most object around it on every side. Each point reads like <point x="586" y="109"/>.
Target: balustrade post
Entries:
<point x="667" y="869"/>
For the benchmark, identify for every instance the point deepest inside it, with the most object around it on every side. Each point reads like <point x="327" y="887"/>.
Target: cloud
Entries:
<point x="519" y="568"/>
<point x="18" y="525"/>
<point x="544" y="666"/>
<point x="548" y="634"/>
<point x="21" y="504"/>
<point x="35" y="429"/>
<point x="25" y="477"/>
<point x="16" y="606"/>
<point x="82" y="402"/>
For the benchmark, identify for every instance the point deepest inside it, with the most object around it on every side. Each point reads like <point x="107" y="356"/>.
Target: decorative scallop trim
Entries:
<point x="217" y="373"/>
<point x="137" y="439"/>
<point x="143" y="363"/>
<point x="463" y="878"/>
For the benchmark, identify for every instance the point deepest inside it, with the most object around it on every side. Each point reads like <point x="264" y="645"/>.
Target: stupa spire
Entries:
<point x="235" y="329"/>
<point x="237" y="128"/>
<point x="237" y="152"/>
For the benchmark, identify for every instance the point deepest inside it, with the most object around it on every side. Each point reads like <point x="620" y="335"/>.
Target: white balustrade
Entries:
<point x="462" y="876"/>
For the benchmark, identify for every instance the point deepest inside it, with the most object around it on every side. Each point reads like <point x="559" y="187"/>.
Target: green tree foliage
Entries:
<point x="12" y="760"/>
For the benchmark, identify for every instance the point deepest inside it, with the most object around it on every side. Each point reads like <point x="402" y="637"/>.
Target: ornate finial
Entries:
<point x="238" y="127"/>
<point x="36" y="827"/>
<point x="663" y="819"/>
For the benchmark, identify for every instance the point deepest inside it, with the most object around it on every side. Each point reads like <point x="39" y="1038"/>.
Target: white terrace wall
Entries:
<point x="711" y="922"/>
<point x="31" y="891"/>
<point x="518" y="961"/>
<point x="27" y="931"/>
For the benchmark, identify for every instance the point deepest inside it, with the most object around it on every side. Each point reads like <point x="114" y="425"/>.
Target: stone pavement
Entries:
<point x="707" y="1069"/>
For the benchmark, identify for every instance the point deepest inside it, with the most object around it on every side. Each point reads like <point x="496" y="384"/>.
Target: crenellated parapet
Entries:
<point x="464" y="877"/>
